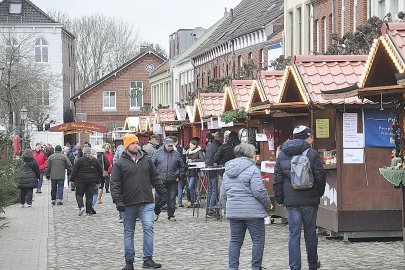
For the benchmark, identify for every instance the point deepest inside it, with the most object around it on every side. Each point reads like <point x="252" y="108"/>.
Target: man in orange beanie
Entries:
<point x="132" y="178"/>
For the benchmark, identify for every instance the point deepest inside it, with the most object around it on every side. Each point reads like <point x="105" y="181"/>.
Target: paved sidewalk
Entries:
<point x="24" y="242"/>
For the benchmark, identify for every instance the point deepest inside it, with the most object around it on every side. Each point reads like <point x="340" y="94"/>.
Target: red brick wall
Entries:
<point x="322" y="8"/>
<point x="91" y="102"/>
<point x="207" y="69"/>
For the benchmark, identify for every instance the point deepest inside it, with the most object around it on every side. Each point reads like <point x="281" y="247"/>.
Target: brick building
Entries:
<point x="121" y="93"/>
<point x="241" y="37"/>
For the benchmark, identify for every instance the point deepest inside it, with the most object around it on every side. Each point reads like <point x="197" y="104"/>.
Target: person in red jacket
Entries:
<point x="40" y="158"/>
<point x="110" y="157"/>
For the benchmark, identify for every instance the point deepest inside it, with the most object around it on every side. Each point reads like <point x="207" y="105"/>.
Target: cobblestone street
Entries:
<point x="189" y="243"/>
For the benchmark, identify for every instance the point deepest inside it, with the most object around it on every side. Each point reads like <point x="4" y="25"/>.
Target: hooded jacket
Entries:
<point x="225" y="151"/>
<point x="169" y="165"/>
<point x="40" y="158"/>
<point x="30" y="172"/>
<point x="132" y="181"/>
<point x="284" y="192"/>
<point x="243" y="191"/>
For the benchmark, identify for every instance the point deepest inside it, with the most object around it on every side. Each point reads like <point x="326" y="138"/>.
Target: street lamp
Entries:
<point x="23" y="116"/>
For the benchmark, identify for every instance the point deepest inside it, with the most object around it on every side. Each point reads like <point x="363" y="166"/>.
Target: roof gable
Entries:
<point x="229" y="100"/>
<point x="30" y="13"/>
<point x="271" y="82"/>
<point x="292" y="89"/>
<point x="208" y="104"/>
<point x="132" y="123"/>
<point x="117" y="70"/>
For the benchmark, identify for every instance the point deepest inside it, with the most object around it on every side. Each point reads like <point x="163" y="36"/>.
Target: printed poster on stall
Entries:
<point x="351" y="139"/>
<point x="378" y="127"/>
<point x="322" y="128"/>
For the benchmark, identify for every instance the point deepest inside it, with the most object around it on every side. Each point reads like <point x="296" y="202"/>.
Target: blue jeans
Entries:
<point x="298" y="216"/>
<point x="57" y="189"/>
<point x="257" y="234"/>
<point x="41" y="180"/>
<point x="191" y="187"/>
<point x="146" y="215"/>
<point x="212" y="191"/>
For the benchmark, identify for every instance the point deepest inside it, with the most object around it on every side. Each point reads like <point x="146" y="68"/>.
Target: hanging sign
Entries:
<point x="322" y="128"/>
<point x="378" y="128"/>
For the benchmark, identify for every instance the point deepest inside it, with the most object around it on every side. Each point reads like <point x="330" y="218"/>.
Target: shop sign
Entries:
<point x="77" y="127"/>
<point x="267" y="166"/>
<point x="378" y="128"/>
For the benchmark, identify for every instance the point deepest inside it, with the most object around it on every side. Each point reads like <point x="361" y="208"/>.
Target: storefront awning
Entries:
<point x="79" y="127"/>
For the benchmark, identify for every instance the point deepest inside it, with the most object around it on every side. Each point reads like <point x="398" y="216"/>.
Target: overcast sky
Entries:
<point x="155" y="20"/>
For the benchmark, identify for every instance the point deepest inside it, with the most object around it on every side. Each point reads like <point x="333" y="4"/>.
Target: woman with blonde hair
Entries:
<point x="86" y="173"/>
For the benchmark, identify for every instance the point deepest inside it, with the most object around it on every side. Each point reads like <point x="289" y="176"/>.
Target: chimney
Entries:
<point x="225" y="12"/>
<point x="231" y="10"/>
<point x="144" y="49"/>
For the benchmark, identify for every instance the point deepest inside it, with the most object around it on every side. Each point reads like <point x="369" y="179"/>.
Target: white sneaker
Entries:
<point x="29" y="205"/>
<point x="81" y="211"/>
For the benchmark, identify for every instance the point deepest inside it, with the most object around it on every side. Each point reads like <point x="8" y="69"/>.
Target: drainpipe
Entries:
<point x="333" y="15"/>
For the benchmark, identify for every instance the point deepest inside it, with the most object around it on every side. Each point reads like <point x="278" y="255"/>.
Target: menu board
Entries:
<point x="322" y="128"/>
<point x="351" y="139"/>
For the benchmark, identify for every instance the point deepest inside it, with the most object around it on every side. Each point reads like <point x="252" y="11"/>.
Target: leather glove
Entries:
<point x="120" y="207"/>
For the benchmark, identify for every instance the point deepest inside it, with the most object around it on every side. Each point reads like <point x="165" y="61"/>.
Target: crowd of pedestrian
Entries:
<point x="143" y="181"/>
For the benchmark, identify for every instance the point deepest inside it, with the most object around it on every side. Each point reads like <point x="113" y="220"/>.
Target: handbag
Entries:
<point x="105" y="173"/>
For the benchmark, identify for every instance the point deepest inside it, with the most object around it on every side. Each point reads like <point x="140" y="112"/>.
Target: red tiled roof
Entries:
<point x="167" y="115"/>
<point x="241" y="90"/>
<point x="211" y="103"/>
<point x="330" y="72"/>
<point x="396" y="31"/>
<point x="272" y="82"/>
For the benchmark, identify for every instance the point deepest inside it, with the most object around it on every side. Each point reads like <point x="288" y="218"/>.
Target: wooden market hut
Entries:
<point x="185" y="129"/>
<point x="356" y="202"/>
<point x="167" y="118"/>
<point x="206" y="107"/>
<point x="383" y="82"/>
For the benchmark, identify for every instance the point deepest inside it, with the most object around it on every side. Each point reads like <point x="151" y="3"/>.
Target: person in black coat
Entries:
<point x="29" y="177"/>
<point x="86" y="174"/>
<point x="302" y="205"/>
<point x="212" y="176"/>
<point x="225" y="151"/>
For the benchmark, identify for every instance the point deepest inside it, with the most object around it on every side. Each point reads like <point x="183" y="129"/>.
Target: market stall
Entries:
<point x="383" y="81"/>
<point x="356" y="203"/>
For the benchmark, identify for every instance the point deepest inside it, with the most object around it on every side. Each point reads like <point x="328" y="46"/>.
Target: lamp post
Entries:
<point x="23" y="116"/>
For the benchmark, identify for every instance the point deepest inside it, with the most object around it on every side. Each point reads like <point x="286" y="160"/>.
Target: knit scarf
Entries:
<point x="190" y="152"/>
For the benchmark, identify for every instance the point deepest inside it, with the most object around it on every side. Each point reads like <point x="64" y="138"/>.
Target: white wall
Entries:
<point x="393" y="6"/>
<point x="53" y="35"/>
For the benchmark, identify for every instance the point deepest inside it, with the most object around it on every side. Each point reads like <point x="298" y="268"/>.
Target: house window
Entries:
<point x="291" y="18"/>
<point x="250" y="56"/>
<point x="299" y="18"/>
<point x="41" y="51"/>
<point x="136" y="95"/>
<point x="96" y="138"/>
<point x="15" y="7"/>
<point x="325" y="35"/>
<point x="261" y="58"/>
<point x="381" y="8"/>
<point x="109" y="100"/>
<point x="342" y="26"/>
<point x="11" y="48"/>
<point x="309" y="28"/>
<point x="240" y="61"/>
<point x="317" y="35"/>
<point x="43" y="94"/>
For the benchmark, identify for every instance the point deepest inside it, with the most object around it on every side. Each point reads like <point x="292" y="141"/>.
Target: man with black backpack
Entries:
<point x="299" y="182"/>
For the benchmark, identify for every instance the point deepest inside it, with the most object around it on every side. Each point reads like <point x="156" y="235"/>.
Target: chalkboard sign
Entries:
<point x="378" y="128"/>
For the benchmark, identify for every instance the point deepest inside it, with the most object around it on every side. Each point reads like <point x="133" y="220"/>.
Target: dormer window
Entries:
<point x="15" y="7"/>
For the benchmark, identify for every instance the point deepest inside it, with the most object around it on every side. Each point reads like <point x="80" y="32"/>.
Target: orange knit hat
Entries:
<point x="130" y="139"/>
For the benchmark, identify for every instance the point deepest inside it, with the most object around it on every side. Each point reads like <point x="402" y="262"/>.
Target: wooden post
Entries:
<point x="403" y="214"/>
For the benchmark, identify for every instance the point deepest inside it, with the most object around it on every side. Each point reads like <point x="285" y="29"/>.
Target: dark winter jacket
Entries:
<point x="195" y="155"/>
<point x="225" y="151"/>
<point x="56" y="165"/>
<point x="101" y="157"/>
<point x="209" y="156"/>
<point x="87" y="170"/>
<point x="169" y="165"/>
<point x="30" y="172"/>
<point x="284" y="192"/>
<point x="131" y="182"/>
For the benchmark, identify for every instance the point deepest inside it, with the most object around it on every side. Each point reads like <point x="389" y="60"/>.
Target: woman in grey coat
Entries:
<point x="247" y="204"/>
